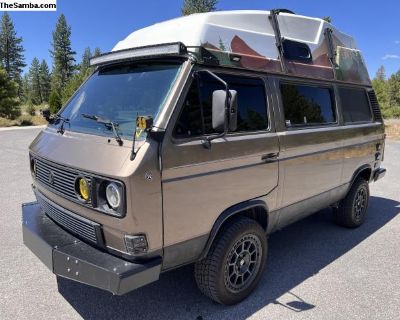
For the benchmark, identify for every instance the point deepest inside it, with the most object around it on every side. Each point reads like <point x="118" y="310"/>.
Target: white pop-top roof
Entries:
<point x="251" y="35"/>
<point x="217" y="27"/>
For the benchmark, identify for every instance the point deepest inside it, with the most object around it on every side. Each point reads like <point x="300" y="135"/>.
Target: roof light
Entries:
<point x="156" y="50"/>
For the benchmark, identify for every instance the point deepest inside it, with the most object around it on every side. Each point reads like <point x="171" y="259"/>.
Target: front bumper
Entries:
<point x="68" y="257"/>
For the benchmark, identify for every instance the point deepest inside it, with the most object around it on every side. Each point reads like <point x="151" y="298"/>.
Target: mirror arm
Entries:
<point x="207" y="140"/>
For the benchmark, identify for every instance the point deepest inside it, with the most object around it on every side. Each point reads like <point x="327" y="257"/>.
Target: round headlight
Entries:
<point x="113" y="195"/>
<point x="83" y="189"/>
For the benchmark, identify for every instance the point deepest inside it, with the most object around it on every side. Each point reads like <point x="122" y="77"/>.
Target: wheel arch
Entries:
<point x="254" y="209"/>
<point x="364" y="171"/>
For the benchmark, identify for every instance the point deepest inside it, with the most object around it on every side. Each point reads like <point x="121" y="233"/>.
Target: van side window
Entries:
<point x="355" y="105"/>
<point x="307" y="105"/>
<point x="196" y="117"/>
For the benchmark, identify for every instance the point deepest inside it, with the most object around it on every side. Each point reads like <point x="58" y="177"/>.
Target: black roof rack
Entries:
<point x="277" y="11"/>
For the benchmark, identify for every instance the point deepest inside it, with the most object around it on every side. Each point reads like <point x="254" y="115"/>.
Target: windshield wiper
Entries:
<point x="108" y="123"/>
<point x="63" y="120"/>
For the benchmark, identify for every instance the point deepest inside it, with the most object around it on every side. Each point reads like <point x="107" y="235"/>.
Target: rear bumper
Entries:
<point x="68" y="257"/>
<point x="379" y="173"/>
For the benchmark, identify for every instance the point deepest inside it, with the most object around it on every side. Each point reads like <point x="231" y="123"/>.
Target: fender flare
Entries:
<point x="357" y="173"/>
<point x="228" y="213"/>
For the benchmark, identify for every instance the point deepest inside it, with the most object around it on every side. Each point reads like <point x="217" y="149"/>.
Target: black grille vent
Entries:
<point x="81" y="227"/>
<point x="58" y="179"/>
<point x="375" y="106"/>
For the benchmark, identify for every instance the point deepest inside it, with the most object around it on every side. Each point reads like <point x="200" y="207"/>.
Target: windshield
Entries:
<point x="119" y="94"/>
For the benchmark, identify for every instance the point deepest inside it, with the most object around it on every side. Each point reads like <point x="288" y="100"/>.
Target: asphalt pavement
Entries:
<point x="315" y="269"/>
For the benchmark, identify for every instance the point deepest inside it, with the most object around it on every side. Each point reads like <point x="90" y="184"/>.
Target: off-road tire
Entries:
<point x="352" y="210"/>
<point x="212" y="274"/>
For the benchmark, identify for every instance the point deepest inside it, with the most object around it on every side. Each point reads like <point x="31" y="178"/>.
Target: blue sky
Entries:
<point x="101" y="23"/>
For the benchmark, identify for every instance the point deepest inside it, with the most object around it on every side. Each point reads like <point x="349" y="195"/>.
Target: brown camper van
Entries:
<point x="193" y="140"/>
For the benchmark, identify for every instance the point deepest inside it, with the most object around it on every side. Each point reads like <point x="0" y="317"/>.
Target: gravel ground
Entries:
<point x="315" y="270"/>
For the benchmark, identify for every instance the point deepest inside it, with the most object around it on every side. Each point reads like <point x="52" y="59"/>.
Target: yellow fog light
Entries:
<point x="83" y="189"/>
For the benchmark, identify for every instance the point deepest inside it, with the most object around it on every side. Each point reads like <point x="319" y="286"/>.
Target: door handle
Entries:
<point x="270" y="157"/>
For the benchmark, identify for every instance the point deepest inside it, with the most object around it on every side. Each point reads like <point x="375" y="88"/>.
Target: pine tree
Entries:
<point x="85" y="64"/>
<point x="11" y="50"/>
<point x="45" y="81"/>
<point x="34" y="79"/>
<point x="381" y="74"/>
<point x="26" y="89"/>
<point x="394" y="90"/>
<point x="97" y="52"/>
<point x="54" y="102"/>
<point x="198" y="6"/>
<point x="62" y="54"/>
<point x="8" y="96"/>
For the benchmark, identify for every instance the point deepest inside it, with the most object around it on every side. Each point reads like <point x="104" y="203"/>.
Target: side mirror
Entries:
<point x="47" y="115"/>
<point x="218" y="110"/>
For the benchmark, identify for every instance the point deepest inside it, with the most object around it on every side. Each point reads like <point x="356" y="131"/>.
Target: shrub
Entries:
<point x="31" y="108"/>
<point x="6" y="122"/>
<point x="25" y="120"/>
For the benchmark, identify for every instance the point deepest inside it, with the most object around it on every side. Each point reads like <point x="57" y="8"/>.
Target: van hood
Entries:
<point x="95" y="154"/>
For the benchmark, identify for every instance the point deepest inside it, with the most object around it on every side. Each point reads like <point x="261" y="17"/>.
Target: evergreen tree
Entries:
<point x="381" y="74"/>
<point x="45" y="81"/>
<point x="62" y="54"/>
<point x="97" y="52"/>
<point x="388" y="92"/>
<point x="85" y="64"/>
<point x="11" y="50"/>
<point x="198" y="6"/>
<point x="54" y="102"/>
<point x="34" y="79"/>
<point x="8" y="96"/>
<point x="394" y="90"/>
<point x="26" y="88"/>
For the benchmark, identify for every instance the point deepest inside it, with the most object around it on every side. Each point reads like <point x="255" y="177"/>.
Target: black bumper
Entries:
<point x="71" y="258"/>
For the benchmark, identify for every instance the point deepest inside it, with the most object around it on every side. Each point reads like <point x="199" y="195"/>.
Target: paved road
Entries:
<point x="316" y="270"/>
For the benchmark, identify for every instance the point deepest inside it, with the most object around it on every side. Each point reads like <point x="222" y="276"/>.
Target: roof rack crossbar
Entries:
<point x="279" y="40"/>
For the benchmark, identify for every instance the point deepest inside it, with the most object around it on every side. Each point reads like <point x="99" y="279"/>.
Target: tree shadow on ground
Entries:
<point x="295" y="254"/>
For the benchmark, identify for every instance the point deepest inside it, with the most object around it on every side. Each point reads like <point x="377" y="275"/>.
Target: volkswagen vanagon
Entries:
<point x="193" y="140"/>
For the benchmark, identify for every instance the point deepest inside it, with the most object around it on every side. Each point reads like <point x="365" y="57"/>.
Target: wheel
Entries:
<point x="352" y="210"/>
<point x="235" y="262"/>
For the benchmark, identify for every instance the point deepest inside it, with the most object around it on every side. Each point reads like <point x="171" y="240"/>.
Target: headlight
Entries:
<point x="113" y="195"/>
<point x="109" y="197"/>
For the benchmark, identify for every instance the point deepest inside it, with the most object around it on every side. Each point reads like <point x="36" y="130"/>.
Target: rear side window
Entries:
<point x="196" y="117"/>
<point x="355" y="105"/>
<point x="307" y="105"/>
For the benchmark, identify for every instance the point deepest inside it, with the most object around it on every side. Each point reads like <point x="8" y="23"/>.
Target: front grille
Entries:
<point x="81" y="227"/>
<point x="58" y="179"/>
<point x="375" y="106"/>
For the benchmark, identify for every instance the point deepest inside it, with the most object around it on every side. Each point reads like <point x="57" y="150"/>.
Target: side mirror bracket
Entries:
<point x="224" y="110"/>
